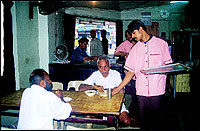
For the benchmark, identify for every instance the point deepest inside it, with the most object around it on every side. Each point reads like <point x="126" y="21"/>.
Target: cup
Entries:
<point x="109" y="91"/>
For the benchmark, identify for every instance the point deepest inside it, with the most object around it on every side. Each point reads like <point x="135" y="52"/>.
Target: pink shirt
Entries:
<point x="124" y="47"/>
<point x="154" y="53"/>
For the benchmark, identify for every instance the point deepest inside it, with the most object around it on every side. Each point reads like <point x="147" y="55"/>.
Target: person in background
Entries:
<point x="104" y="42"/>
<point x="123" y="50"/>
<point x="105" y="78"/>
<point x="96" y="48"/>
<point x="79" y="55"/>
<point x="39" y="106"/>
<point x="149" y="52"/>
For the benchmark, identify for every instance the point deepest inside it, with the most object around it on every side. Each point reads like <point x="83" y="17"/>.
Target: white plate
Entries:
<point x="90" y="92"/>
<point x="67" y="99"/>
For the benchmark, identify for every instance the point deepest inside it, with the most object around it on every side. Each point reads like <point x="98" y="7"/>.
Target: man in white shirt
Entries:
<point x="39" y="106"/>
<point x="96" y="48"/>
<point x="105" y="78"/>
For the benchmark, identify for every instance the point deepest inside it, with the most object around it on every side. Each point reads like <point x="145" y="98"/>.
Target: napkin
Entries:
<point x="67" y="99"/>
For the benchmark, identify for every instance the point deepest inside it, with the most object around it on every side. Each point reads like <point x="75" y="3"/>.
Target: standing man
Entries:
<point x="149" y="52"/>
<point x="104" y="42"/>
<point x="96" y="48"/>
<point x="39" y="106"/>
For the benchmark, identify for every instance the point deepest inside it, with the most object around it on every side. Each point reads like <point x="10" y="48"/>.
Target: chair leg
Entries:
<point x="62" y="125"/>
<point x="89" y="125"/>
<point x="55" y="124"/>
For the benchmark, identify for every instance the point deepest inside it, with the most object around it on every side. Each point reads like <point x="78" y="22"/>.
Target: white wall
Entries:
<point x="172" y="23"/>
<point x="43" y="41"/>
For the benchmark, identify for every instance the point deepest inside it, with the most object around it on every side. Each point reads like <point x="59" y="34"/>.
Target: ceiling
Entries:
<point x="49" y="6"/>
<point x="114" y="5"/>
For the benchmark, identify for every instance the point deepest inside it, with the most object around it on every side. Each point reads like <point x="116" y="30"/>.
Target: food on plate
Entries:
<point x="90" y="92"/>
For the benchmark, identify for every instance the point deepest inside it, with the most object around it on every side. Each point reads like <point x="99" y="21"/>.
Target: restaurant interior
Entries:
<point x="33" y="33"/>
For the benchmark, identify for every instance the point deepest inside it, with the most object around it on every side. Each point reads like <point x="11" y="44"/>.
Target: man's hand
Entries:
<point x="99" y="88"/>
<point x="116" y="90"/>
<point x="59" y="93"/>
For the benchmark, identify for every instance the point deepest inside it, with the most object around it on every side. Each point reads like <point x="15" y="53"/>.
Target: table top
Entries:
<point x="81" y="103"/>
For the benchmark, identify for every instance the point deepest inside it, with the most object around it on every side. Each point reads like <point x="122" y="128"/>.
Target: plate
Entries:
<point x="90" y="92"/>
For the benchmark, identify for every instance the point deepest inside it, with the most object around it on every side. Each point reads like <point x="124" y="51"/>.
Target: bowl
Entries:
<point x="90" y="92"/>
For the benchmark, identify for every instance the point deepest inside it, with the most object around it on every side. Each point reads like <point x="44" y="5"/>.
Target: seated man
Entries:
<point x="39" y="106"/>
<point x="79" y="55"/>
<point x="105" y="78"/>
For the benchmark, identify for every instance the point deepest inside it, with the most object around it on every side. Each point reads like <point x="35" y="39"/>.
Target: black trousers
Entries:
<point x="151" y="111"/>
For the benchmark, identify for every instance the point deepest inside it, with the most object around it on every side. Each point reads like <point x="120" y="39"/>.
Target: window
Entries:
<point x="84" y="25"/>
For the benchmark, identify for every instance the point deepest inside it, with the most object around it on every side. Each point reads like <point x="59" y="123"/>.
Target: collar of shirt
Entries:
<point x="148" y="39"/>
<point x="37" y="87"/>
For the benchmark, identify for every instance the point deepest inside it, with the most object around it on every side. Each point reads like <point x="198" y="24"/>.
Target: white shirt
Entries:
<point x="96" y="48"/>
<point x="112" y="80"/>
<point x="39" y="107"/>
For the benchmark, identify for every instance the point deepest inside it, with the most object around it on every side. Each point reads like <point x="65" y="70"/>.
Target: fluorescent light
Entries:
<point x="179" y="2"/>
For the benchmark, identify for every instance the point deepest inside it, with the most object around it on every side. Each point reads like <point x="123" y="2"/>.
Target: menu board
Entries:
<point x="166" y="69"/>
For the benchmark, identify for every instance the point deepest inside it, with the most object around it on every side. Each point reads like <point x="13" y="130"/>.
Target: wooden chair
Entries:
<point x="57" y="85"/>
<point x="74" y="84"/>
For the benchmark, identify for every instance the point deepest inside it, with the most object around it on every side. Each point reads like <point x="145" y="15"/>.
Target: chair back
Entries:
<point x="74" y="84"/>
<point x="57" y="85"/>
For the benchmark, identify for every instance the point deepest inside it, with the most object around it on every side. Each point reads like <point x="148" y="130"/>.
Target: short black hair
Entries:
<point x="36" y="76"/>
<point x="83" y="40"/>
<point x="135" y="25"/>
<point x="127" y="31"/>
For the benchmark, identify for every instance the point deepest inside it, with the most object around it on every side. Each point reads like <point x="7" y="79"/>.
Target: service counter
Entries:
<point x="68" y="72"/>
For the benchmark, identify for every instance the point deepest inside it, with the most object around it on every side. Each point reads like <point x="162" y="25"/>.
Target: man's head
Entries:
<point x="103" y="33"/>
<point x="137" y="28"/>
<point x="83" y="43"/>
<point x="128" y="35"/>
<point x="40" y="77"/>
<point x="104" y="65"/>
<point x="93" y="33"/>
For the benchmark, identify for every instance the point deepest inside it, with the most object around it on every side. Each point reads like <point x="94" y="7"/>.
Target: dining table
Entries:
<point x="82" y="105"/>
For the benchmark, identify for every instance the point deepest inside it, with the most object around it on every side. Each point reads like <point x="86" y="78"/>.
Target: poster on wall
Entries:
<point x="146" y="18"/>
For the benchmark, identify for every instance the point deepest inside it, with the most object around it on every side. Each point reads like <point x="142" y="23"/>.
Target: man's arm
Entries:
<point x="125" y="81"/>
<point x="84" y="87"/>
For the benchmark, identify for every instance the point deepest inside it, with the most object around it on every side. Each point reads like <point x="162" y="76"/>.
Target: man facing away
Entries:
<point x="148" y="52"/>
<point x="39" y="106"/>
<point x="105" y="78"/>
<point x="96" y="48"/>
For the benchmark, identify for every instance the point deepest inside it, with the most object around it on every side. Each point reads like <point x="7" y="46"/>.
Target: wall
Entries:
<point x="56" y="32"/>
<point x="172" y="23"/>
<point x="30" y="40"/>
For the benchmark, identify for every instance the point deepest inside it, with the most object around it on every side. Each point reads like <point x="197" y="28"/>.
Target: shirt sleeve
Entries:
<point x="166" y="54"/>
<point x="60" y="109"/>
<point x="121" y="47"/>
<point x="91" y="79"/>
<point x="129" y="64"/>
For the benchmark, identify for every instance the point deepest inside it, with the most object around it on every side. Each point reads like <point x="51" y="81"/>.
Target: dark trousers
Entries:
<point x="151" y="112"/>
